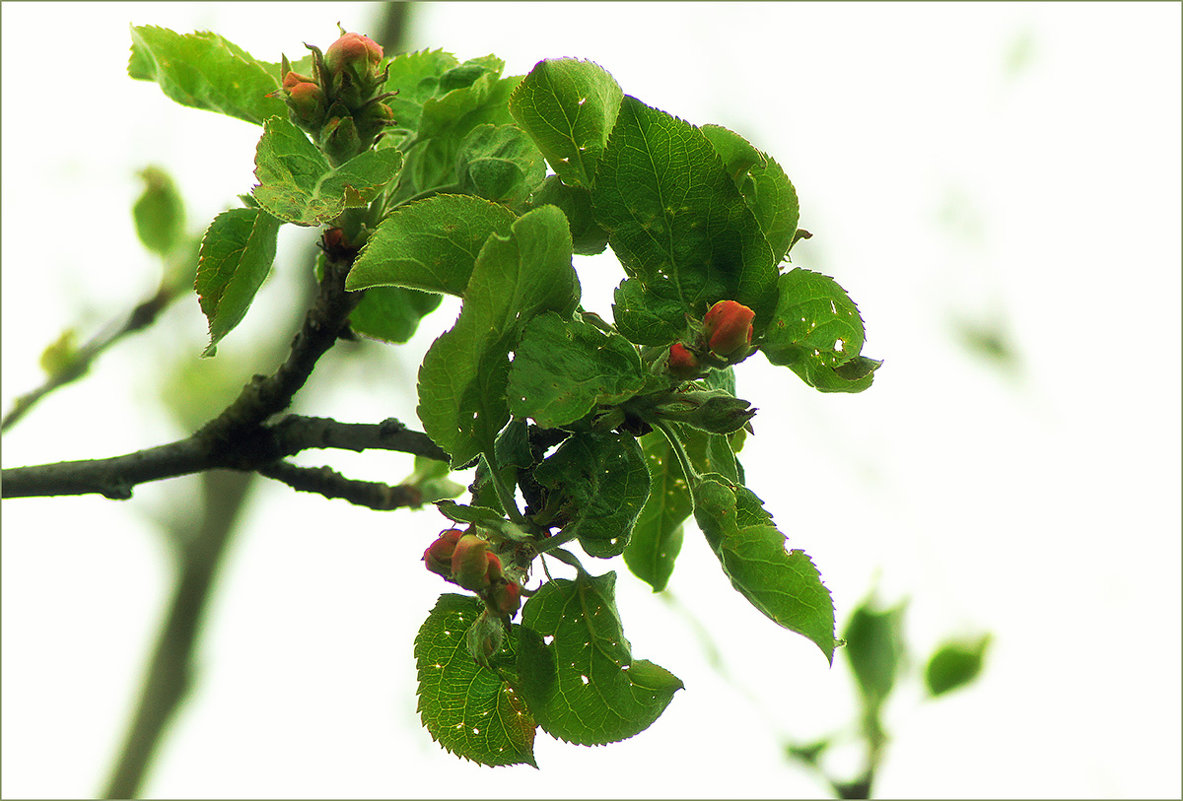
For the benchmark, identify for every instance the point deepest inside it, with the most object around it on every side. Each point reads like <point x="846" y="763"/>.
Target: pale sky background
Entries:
<point x="1006" y="163"/>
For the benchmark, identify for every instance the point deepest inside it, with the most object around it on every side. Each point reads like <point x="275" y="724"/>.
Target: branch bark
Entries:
<point x="331" y="484"/>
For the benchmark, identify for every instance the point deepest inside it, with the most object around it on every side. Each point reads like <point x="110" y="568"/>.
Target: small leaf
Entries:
<point x="818" y="333"/>
<point x="585" y="687"/>
<point x="782" y="584"/>
<point x="657" y="535"/>
<point x="430" y="244"/>
<point x="392" y="313"/>
<point x="569" y="108"/>
<point x="236" y="255"/>
<point x="415" y="77"/>
<point x="764" y="186"/>
<point x="875" y="648"/>
<point x="468" y="709"/>
<point x="203" y="70"/>
<point x="605" y="483"/>
<point x="955" y="664"/>
<point x="463" y="378"/>
<point x="159" y="212"/>
<point x="675" y="219"/>
<point x="563" y="368"/>
<point x="298" y="185"/>
<point x="499" y="163"/>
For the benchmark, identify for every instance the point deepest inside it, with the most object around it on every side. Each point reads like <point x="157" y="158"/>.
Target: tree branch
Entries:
<point x="331" y="484"/>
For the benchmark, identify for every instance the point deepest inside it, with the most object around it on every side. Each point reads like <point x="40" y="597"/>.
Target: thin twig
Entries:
<point x="331" y="484"/>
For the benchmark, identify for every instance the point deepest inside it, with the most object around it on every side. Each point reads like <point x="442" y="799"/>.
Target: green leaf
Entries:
<point x="782" y="584"/>
<point x="875" y="648"/>
<point x="587" y="237"/>
<point x="499" y="163"/>
<point x="446" y="120"/>
<point x="765" y="187"/>
<point x="604" y="483"/>
<point x="675" y="218"/>
<point x="657" y="535"/>
<point x="562" y="369"/>
<point x="236" y="255"/>
<point x="430" y="244"/>
<point x="648" y="316"/>
<point x="462" y="381"/>
<point x="818" y="333"/>
<point x="415" y="77"/>
<point x="298" y="185"/>
<point x="468" y="709"/>
<point x="955" y="664"/>
<point x="391" y="313"/>
<point x="203" y="70"/>
<point x="569" y="108"/>
<point x="431" y="477"/>
<point x="585" y="687"/>
<point x="159" y="212"/>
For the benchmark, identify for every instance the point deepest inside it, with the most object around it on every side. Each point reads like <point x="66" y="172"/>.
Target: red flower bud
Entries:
<point x="682" y="363"/>
<point x="307" y="100"/>
<point x="438" y="555"/>
<point x="292" y="78"/>
<point x="359" y="53"/>
<point x="470" y="563"/>
<point x="728" y="328"/>
<point x="505" y="598"/>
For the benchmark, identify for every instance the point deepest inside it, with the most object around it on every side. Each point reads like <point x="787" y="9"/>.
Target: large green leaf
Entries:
<point x="782" y="584"/>
<point x="203" y="70"/>
<point x="499" y="163"/>
<point x="765" y="187"/>
<point x="569" y="107"/>
<point x="563" y="368"/>
<point x="675" y="218"/>
<point x="657" y="535"/>
<point x="462" y="381"/>
<point x="298" y="185"/>
<point x="604" y="483"/>
<point x="818" y="333"/>
<point x="236" y="255"/>
<point x="469" y="709"/>
<point x="653" y="315"/>
<point x="584" y="686"/>
<point x="430" y="244"/>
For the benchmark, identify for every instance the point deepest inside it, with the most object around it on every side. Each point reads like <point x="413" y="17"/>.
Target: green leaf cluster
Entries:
<point x="485" y="188"/>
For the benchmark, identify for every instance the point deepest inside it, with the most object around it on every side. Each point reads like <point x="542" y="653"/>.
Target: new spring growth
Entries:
<point x="354" y="52"/>
<point x="438" y="556"/>
<point x="727" y="327"/>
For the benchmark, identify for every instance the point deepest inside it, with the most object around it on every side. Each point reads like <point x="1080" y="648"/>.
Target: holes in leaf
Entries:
<point x="584" y="679"/>
<point x="548" y="639"/>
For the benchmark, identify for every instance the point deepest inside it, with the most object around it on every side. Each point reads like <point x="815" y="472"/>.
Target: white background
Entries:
<point x="993" y="163"/>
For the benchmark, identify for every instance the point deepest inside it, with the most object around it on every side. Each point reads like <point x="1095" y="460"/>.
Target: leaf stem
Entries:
<point x="504" y="494"/>
<point x="693" y="477"/>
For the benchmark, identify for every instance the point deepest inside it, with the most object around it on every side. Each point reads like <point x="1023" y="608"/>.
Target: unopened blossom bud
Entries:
<point x="470" y="563"/>
<point x="307" y="100"/>
<point x="505" y="598"/>
<point x="728" y="328"/>
<point x="355" y="52"/>
<point x="682" y="363"/>
<point x="438" y="556"/>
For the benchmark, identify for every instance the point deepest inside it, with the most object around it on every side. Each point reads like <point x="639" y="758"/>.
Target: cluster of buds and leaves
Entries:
<point x="341" y="104"/>
<point x="724" y="337"/>
<point x="465" y="559"/>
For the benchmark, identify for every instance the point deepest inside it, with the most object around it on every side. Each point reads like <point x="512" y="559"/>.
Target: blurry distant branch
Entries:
<point x="169" y="674"/>
<point x="75" y="363"/>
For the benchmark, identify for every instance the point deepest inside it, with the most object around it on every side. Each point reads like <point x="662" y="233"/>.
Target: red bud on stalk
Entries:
<point x="728" y="328"/>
